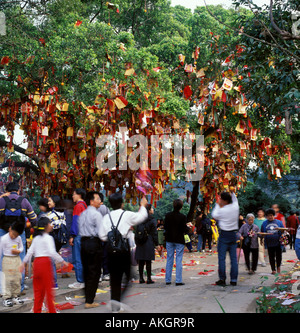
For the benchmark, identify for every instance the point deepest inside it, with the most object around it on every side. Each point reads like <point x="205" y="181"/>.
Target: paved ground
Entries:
<point x="198" y="295"/>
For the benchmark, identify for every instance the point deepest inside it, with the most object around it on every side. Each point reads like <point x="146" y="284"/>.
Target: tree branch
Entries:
<point x="249" y="36"/>
<point x="18" y="149"/>
<point x="282" y="33"/>
<point x="27" y="165"/>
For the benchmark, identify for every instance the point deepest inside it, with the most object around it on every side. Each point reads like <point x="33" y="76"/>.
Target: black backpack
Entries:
<point x="141" y="234"/>
<point x="116" y="244"/>
<point x="12" y="212"/>
<point x="60" y="234"/>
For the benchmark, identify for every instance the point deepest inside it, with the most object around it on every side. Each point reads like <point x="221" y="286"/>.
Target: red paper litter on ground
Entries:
<point x="192" y="263"/>
<point x="205" y="272"/>
<point x="64" y="306"/>
<point x="65" y="269"/>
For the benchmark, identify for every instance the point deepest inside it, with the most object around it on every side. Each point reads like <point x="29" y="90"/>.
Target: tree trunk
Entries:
<point x="194" y="200"/>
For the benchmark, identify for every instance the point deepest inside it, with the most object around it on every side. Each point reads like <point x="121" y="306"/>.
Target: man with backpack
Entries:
<point x="115" y="231"/>
<point x="14" y="208"/>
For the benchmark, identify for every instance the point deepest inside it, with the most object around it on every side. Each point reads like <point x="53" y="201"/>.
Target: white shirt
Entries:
<point x="43" y="246"/>
<point x="228" y="215"/>
<point x="129" y="219"/>
<point x="7" y="244"/>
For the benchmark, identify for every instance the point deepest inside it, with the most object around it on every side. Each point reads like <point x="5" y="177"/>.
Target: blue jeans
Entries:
<point x="22" y="255"/>
<point x="297" y="248"/>
<point x="76" y="258"/>
<point x="171" y="247"/>
<point x="227" y="242"/>
<point x="200" y="240"/>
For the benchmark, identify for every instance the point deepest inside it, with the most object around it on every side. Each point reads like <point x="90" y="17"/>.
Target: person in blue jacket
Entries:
<point x="272" y="239"/>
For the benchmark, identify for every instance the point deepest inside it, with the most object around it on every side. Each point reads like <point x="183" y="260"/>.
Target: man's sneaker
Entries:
<point x="17" y="300"/>
<point x="221" y="283"/>
<point x="76" y="285"/>
<point x="233" y="283"/>
<point x="106" y="277"/>
<point x="55" y="286"/>
<point x="8" y="302"/>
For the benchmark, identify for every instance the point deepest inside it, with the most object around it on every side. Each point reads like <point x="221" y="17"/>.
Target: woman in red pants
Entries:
<point x="43" y="250"/>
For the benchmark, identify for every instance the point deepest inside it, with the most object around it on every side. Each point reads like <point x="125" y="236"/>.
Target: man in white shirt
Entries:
<point x="226" y="212"/>
<point x="119" y="264"/>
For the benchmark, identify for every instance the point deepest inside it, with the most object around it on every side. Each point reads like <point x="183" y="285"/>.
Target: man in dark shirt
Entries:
<point x="175" y="229"/>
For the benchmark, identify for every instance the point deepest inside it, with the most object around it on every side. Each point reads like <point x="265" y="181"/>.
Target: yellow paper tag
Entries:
<point x="129" y="71"/>
<point x="11" y="150"/>
<point x="65" y="107"/>
<point x="70" y="131"/>
<point x="46" y="168"/>
<point x="53" y="163"/>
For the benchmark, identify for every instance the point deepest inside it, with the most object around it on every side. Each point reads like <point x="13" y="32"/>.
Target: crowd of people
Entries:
<point x="87" y="230"/>
<point x="268" y="231"/>
<point x="107" y="242"/>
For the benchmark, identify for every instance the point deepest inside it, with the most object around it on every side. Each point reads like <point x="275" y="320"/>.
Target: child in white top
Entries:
<point x="10" y="247"/>
<point x="43" y="250"/>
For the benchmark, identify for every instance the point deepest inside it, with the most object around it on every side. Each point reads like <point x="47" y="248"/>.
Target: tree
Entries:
<point x="254" y="198"/>
<point x="72" y="79"/>
<point x="273" y="58"/>
<point x="261" y="119"/>
<point x="234" y="135"/>
<point x="84" y="69"/>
